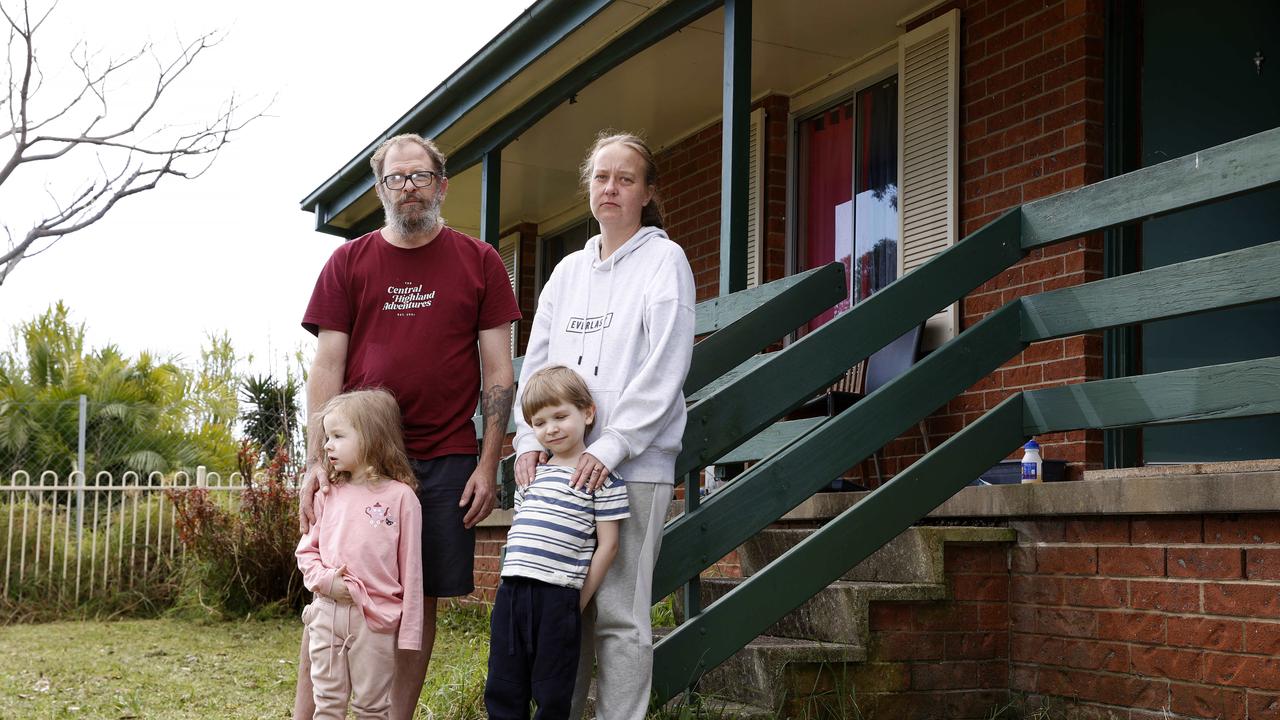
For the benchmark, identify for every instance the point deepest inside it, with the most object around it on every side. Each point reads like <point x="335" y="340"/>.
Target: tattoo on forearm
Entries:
<point x="495" y="405"/>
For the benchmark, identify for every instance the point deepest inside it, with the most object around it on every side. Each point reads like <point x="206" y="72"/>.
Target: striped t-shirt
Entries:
<point x="554" y="531"/>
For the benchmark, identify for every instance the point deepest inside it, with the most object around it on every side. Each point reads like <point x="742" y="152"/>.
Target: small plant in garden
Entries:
<point x="240" y="560"/>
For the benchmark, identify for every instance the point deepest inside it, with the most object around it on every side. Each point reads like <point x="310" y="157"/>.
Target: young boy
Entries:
<point x="559" y="548"/>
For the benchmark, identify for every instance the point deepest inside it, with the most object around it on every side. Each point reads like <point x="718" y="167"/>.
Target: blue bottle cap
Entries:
<point x="1031" y="445"/>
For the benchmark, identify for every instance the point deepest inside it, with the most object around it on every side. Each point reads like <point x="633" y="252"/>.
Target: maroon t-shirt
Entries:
<point x="413" y="317"/>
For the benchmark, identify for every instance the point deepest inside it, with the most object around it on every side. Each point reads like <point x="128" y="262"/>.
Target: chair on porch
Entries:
<point x="865" y="378"/>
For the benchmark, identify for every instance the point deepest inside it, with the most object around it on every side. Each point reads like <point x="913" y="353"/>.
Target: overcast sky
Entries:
<point x="232" y="250"/>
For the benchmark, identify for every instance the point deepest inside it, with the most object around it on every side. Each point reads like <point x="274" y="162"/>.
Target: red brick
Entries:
<point x="1093" y="655"/>
<point x="1242" y="529"/>
<point x="1166" y="596"/>
<point x="1097" y="530"/>
<point x="948" y="616"/>
<point x="897" y="646"/>
<point x="1201" y="701"/>
<point x="973" y="559"/>
<point x="1036" y="589"/>
<point x="890" y="616"/>
<point x="1257" y="600"/>
<point x="1171" y="529"/>
<point x="1262" y="637"/>
<point x="1262" y="563"/>
<point x="1090" y="592"/>
<point x="993" y="616"/>
<point x="980" y="587"/>
<point x="976" y="646"/>
<point x="1067" y="623"/>
<point x="1206" y="633"/>
<point x="1137" y="627"/>
<point x="1022" y="618"/>
<point x="1242" y="671"/>
<point x="1067" y="560"/>
<point x="1263" y="706"/>
<point x="1202" y="562"/>
<point x="1166" y="663"/>
<point x="945" y="676"/>
<point x="1131" y="561"/>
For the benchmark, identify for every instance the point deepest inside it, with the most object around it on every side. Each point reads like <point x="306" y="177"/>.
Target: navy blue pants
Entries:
<point x="534" y="634"/>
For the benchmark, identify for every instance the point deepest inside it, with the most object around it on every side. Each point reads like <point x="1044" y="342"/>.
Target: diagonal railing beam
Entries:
<point x="766" y="491"/>
<point x="1234" y="168"/>
<point x="746" y="322"/>
<point x="735" y="619"/>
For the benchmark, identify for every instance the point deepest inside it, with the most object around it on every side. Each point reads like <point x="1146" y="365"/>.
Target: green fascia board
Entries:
<point x="660" y="24"/>
<point x="528" y="37"/>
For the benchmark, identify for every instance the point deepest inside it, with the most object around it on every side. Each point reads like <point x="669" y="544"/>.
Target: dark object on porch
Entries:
<point x="877" y="371"/>
<point x="1009" y="472"/>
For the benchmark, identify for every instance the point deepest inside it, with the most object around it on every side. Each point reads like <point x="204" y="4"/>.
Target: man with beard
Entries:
<point x="424" y="311"/>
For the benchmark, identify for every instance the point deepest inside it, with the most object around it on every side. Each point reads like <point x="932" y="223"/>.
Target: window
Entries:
<point x="553" y="248"/>
<point x="849" y="191"/>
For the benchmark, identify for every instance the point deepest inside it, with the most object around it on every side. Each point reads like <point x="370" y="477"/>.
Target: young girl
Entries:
<point x="362" y="558"/>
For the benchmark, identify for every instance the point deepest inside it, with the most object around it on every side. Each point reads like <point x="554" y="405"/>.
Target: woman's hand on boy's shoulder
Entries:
<point x="527" y="466"/>
<point x="590" y="473"/>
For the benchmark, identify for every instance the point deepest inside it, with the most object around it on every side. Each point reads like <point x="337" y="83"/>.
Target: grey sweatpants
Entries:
<point x="617" y="637"/>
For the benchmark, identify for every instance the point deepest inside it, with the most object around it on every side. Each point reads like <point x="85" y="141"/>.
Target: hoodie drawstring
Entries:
<point x="586" y="317"/>
<point x="604" y="323"/>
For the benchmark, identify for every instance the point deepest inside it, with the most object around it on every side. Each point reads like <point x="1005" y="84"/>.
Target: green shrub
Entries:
<point x="241" y="561"/>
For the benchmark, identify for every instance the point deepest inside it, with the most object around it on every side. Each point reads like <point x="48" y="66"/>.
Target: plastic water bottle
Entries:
<point x="1032" y="465"/>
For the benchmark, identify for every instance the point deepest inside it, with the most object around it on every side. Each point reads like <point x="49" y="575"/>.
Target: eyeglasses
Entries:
<point x="421" y="179"/>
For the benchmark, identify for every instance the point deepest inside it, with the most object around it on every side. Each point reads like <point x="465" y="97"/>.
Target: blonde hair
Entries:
<point x="375" y="418"/>
<point x="380" y="155"/>
<point x="553" y="385"/>
<point x="651" y="213"/>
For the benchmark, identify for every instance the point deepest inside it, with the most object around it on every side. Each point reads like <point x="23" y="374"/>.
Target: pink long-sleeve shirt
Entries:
<point x="376" y="531"/>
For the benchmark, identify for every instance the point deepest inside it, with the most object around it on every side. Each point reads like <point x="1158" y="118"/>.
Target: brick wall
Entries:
<point x="1134" y="617"/>
<point x="689" y="181"/>
<point x="1175" y="613"/>
<point x="942" y="659"/>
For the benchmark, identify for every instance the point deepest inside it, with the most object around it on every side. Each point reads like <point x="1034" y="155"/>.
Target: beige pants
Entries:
<point x="348" y="660"/>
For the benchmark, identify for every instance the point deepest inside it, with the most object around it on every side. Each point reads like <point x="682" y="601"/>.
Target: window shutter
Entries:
<point x="755" y="201"/>
<point x="928" y="134"/>
<point x="509" y="250"/>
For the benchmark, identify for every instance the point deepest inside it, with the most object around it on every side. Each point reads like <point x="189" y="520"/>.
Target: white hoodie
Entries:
<point x="625" y="325"/>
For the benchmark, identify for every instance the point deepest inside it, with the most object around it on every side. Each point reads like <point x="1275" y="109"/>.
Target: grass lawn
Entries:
<point x="166" y="668"/>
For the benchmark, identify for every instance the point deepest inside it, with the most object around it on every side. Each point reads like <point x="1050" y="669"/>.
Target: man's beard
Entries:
<point x="414" y="221"/>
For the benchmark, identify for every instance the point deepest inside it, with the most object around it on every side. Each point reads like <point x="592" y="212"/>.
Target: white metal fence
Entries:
<point x="69" y="538"/>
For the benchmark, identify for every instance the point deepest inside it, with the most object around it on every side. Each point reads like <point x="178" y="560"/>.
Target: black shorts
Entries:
<point x="448" y="548"/>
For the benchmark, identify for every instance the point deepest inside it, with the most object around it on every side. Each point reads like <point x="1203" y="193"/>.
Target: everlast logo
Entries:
<point x="589" y="325"/>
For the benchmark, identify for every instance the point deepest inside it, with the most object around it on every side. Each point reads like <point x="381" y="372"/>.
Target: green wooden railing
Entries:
<point x="769" y="387"/>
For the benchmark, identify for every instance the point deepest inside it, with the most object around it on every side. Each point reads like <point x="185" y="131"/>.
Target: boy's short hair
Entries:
<point x="553" y="385"/>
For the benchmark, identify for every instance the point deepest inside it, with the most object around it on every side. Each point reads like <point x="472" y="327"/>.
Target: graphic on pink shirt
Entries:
<point x="379" y="515"/>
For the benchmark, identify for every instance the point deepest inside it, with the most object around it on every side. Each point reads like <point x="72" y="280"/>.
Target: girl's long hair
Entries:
<point x="375" y="417"/>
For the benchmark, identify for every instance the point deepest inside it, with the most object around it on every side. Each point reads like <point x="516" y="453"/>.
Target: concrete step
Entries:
<point x="913" y="557"/>
<point x="837" y="614"/>
<point x="770" y="671"/>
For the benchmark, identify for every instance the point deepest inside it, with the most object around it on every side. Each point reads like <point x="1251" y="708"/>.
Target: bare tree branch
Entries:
<point x="145" y="150"/>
